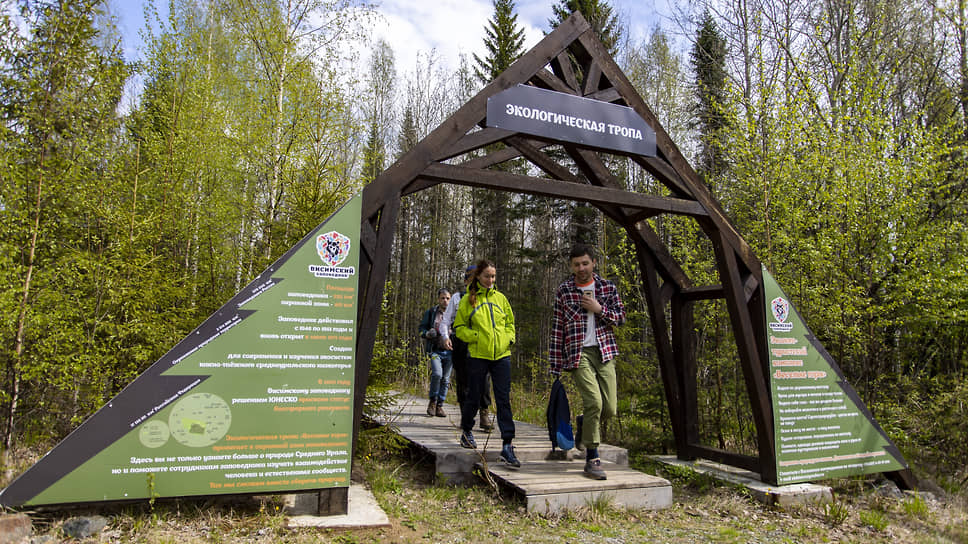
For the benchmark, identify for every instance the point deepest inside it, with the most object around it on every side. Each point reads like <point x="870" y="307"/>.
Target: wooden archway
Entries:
<point x="551" y="65"/>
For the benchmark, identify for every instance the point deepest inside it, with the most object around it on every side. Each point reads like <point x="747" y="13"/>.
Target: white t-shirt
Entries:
<point x="590" y="339"/>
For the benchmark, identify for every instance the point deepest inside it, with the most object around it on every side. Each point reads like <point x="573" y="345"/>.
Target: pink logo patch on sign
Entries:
<point x="332" y="247"/>
<point x="781" y="309"/>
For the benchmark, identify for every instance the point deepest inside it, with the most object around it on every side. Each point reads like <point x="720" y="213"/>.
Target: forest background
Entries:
<point x="832" y="133"/>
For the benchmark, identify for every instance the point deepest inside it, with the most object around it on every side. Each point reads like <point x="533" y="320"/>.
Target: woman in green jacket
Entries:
<point x="485" y="321"/>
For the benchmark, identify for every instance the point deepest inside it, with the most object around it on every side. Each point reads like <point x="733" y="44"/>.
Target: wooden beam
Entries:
<point x="684" y="354"/>
<point x="473" y="140"/>
<point x="547" y="187"/>
<point x="669" y="149"/>
<point x="607" y="95"/>
<point x="493" y="158"/>
<point x="705" y="292"/>
<point x="396" y="177"/>
<point x="663" y="172"/>
<point x="905" y="479"/>
<point x="747" y="462"/>
<point x="368" y="241"/>
<point x="547" y="80"/>
<point x="593" y="167"/>
<point x="561" y="65"/>
<point x="663" y="345"/>
<point x="542" y="160"/>
<point x="636" y="216"/>
<point x="592" y="80"/>
<point x="372" y="274"/>
<point x="749" y="353"/>
<point x="666" y="263"/>
<point x="751" y="287"/>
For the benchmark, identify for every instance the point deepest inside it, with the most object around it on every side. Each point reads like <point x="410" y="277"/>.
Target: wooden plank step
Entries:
<point x="551" y="486"/>
<point x="548" y="481"/>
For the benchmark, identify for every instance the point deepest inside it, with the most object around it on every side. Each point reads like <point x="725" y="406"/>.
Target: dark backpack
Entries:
<point x="559" y="418"/>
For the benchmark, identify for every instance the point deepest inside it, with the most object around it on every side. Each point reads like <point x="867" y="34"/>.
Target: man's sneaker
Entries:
<point x="467" y="440"/>
<point x="440" y="410"/>
<point x="507" y="455"/>
<point x="431" y="407"/>
<point x="593" y="469"/>
<point x="578" y="443"/>
<point x="487" y="425"/>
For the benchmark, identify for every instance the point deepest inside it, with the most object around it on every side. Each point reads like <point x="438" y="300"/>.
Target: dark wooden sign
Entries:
<point x="570" y="118"/>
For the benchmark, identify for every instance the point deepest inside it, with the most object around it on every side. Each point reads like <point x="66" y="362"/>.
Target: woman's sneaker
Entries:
<point x="507" y="455"/>
<point x="467" y="440"/>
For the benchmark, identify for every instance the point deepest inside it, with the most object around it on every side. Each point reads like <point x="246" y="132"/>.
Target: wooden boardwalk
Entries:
<point x="547" y="482"/>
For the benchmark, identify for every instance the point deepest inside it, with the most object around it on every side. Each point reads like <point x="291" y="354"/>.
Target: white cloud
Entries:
<point x="451" y="27"/>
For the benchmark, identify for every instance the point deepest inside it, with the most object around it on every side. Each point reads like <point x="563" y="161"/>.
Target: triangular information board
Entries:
<point x="258" y="398"/>
<point x="822" y="427"/>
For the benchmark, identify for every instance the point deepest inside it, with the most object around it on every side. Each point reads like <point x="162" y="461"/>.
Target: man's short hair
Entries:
<point x="443" y="290"/>
<point x="582" y="249"/>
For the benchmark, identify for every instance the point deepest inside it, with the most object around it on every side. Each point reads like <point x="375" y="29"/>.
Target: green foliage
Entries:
<point x="599" y="14"/>
<point x="874" y="519"/>
<point x="916" y="507"/>
<point x="846" y="203"/>
<point x="504" y="41"/>
<point x="122" y="229"/>
<point x="834" y="512"/>
<point x="841" y="162"/>
<point x="152" y="490"/>
<point x="708" y="58"/>
<point x="926" y="419"/>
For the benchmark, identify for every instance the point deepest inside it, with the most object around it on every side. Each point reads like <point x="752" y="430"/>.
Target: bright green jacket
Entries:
<point x="488" y="328"/>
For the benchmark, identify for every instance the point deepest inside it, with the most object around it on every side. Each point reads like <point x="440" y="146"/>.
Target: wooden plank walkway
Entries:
<point x="547" y="482"/>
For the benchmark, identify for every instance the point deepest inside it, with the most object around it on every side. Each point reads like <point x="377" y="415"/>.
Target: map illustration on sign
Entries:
<point x="199" y="420"/>
<point x="822" y="429"/>
<point x="258" y="398"/>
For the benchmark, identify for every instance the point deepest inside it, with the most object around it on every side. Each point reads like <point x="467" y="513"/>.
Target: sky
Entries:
<point x="448" y="27"/>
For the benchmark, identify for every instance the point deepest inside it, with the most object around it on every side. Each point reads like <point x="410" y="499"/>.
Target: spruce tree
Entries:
<point x="585" y="219"/>
<point x="708" y="58"/>
<point x="599" y="15"/>
<point x="504" y="42"/>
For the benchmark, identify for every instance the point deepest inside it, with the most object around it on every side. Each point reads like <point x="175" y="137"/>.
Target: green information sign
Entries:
<point x="822" y="428"/>
<point x="257" y="399"/>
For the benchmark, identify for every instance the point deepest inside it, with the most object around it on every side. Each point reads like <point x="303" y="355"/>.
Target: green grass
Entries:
<point x="916" y="507"/>
<point x="422" y="508"/>
<point x="874" y="519"/>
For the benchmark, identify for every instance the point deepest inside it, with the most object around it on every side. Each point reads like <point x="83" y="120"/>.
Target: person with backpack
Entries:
<point x="485" y="321"/>
<point x="441" y="362"/>
<point x="582" y="343"/>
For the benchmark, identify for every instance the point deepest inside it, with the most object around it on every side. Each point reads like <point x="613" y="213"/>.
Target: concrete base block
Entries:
<point x="783" y="495"/>
<point x="362" y="511"/>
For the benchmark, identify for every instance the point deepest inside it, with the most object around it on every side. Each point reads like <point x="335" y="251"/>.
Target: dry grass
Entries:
<point x="422" y="509"/>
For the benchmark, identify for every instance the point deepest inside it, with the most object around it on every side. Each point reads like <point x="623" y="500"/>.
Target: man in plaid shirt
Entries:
<point x="583" y="345"/>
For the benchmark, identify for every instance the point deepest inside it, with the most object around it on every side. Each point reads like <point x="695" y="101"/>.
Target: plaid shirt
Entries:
<point x="568" y="324"/>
